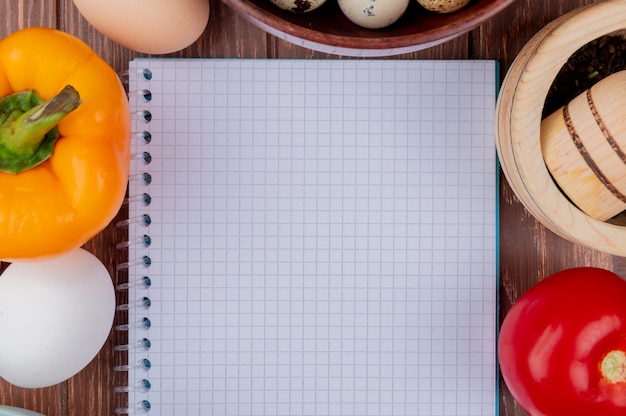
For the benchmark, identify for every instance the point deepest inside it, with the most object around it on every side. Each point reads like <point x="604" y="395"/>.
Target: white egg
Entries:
<point x="55" y="316"/>
<point x="299" y="6"/>
<point x="15" y="411"/>
<point x="373" y="14"/>
<point x="149" y="26"/>
<point x="443" y="6"/>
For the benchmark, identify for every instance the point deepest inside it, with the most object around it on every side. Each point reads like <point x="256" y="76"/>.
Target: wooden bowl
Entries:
<point x="327" y="30"/>
<point x="518" y="120"/>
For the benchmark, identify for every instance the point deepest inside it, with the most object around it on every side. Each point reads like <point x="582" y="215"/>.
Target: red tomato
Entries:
<point x="562" y="346"/>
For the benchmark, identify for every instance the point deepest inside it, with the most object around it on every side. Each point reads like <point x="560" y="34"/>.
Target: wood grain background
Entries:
<point x="528" y="251"/>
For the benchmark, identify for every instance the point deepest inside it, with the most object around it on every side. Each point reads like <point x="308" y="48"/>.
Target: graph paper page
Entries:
<point x="323" y="237"/>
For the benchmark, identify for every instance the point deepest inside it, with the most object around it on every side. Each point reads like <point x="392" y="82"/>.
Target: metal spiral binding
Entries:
<point x="143" y="364"/>
<point x="142" y="385"/>
<point x="143" y="219"/>
<point x="143" y="241"/>
<point x="143" y="303"/>
<point x="145" y="261"/>
<point x="140" y="179"/>
<point x="144" y="136"/>
<point x="143" y="198"/>
<point x="144" y="283"/>
<point x="143" y="344"/>
<point x="144" y="157"/>
<point x="140" y="408"/>
<point x="143" y="323"/>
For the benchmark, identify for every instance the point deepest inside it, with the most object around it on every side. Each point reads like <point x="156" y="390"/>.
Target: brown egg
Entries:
<point x="443" y="6"/>
<point x="148" y="26"/>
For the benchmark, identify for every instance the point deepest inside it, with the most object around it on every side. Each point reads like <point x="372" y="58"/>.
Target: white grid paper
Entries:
<point x="323" y="237"/>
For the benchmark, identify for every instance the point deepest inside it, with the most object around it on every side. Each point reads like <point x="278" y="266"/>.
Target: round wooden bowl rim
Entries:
<point x="374" y="46"/>
<point x="518" y="120"/>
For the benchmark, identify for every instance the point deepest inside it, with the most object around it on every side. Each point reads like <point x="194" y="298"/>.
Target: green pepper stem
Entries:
<point x="28" y="127"/>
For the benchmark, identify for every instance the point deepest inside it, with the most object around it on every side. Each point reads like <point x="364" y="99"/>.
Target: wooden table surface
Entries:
<point x="528" y="251"/>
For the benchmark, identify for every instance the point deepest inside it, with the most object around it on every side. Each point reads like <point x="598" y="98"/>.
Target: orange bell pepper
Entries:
<point x="70" y="195"/>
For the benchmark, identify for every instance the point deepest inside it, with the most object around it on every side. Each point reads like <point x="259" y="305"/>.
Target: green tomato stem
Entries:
<point x="28" y="129"/>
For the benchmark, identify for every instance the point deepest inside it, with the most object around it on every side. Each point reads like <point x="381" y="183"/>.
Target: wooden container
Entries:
<point x="327" y="30"/>
<point x="583" y="145"/>
<point x="518" y="124"/>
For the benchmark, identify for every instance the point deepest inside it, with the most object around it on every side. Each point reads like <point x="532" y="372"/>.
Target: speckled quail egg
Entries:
<point x="443" y="6"/>
<point x="298" y="6"/>
<point x="373" y="14"/>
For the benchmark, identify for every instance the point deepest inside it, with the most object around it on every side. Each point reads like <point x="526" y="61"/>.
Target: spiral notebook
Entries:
<point x="312" y="237"/>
